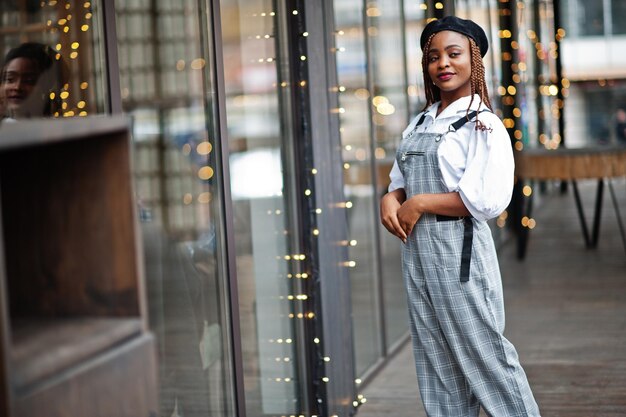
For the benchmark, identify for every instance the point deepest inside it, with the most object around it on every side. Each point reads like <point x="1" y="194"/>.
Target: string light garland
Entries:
<point x="308" y="300"/>
<point x="513" y="80"/>
<point x="544" y="53"/>
<point x="70" y="25"/>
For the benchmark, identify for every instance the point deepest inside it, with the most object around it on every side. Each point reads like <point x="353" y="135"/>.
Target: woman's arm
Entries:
<point x="389" y="206"/>
<point x="447" y="204"/>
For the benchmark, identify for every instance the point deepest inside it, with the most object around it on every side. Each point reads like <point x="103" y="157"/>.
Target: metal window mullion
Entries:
<point x="161" y="142"/>
<point x="378" y="282"/>
<point x="492" y="51"/>
<point x="112" y="67"/>
<point x="228" y="256"/>
<point x="292" y="109"/>
<point x="606" y="16"/>
<point x="538" y="71"/>
<point x="556" y="8"/>
<point x="405" y="63"/>
<point x="232" y="404"/>
<point x="449" y="8"/>
<point x="334" y="285"/>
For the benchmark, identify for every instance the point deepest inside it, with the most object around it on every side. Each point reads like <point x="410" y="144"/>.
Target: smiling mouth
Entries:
<point x="15" y="99"/>
<point x="445" y="76"/>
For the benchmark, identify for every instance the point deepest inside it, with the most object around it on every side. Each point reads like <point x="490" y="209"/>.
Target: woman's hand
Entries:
<point x="389" y="206"/>
<point x="409" y="213"/>
<point x="400" y="215"/>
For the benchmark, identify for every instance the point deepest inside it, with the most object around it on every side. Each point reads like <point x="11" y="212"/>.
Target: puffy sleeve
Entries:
<point x="486" y="185"/>
<point x="397" y="180"/>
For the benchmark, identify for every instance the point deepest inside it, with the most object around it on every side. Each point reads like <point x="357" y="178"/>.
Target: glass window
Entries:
<point x="414" y="24"/>
<point x="358" y="180"/>
<point x="618" y="16"/>
<point x="259" y="136"/>
<point x="587" y="18"/>
<point x="389" y="116"/>
<point x="166" y="81"/>
<point x="590" y="17"/>
<point x="52" y="54"/>
<point x="604" y="113"/>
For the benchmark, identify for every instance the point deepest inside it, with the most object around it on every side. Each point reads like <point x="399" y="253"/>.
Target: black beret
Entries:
<point x="456" y="24"/>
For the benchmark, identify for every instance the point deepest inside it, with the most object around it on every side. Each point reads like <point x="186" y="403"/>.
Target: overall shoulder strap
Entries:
<point x="421" y="120"/>
<point x="459" y="123"/>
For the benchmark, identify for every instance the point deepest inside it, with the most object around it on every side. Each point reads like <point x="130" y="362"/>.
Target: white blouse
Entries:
<point x="478" y="164"/>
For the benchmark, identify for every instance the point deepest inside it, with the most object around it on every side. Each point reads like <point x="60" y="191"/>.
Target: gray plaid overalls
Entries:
<point x="456" y="308"/>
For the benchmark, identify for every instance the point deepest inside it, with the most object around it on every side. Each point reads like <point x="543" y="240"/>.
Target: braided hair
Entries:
<point x="477" y="77"/>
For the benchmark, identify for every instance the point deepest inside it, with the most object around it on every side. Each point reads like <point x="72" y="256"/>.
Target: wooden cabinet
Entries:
<point x="73" y="332"/>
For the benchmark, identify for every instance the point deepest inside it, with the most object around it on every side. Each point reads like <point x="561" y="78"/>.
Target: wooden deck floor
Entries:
<point x="566" y="314"/>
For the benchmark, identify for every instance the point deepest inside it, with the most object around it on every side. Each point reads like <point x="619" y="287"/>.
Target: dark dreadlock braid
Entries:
<point x="477" y="78"/>
<point x="478" y="83"/>
<point x="433" y="94"/>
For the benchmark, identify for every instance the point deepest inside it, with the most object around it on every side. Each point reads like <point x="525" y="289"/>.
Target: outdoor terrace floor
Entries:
<point x="566" y="315"/>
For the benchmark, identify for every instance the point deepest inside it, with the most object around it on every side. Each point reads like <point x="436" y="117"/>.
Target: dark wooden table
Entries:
<point x="571" y="165"/>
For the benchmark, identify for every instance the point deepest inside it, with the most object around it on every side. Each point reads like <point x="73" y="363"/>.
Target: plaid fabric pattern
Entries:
<point x="463" y="361"/>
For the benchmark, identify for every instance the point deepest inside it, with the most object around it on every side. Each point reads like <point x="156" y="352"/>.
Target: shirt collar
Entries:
<point x="455" y="108"/>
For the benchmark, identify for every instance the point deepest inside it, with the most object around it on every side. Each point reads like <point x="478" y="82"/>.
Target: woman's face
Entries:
<point x="19" y="82"/>
<point x="450" y="64"/>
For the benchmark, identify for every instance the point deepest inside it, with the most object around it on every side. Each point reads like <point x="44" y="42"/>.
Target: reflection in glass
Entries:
<point x="165" y="79"/>
<point x="415" y="20"/>
<point x="390" y="117"/>
<point x="358" y="181"/>
<point x="257" y="139"/>
<point x="31" y="79"/>
<point x="618" y="11"/>
<point x="590" y="17"/>
<point x="57" y="48"/>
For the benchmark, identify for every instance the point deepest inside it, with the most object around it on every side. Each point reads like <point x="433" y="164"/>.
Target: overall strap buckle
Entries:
<point x="459" y="123"/>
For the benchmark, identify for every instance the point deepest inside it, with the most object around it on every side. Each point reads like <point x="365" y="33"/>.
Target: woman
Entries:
<point x="454" y="171"/>
<point x="31" y="72"/>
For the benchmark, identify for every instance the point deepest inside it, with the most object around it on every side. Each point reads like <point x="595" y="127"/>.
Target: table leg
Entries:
<point x="598" y="213"/>
<point x="617" y="212"/>
<point x="590" y="241"/>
